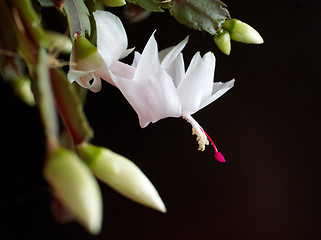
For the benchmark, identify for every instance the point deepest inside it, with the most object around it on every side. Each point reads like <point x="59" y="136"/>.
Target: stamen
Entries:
<point x="200" y="138"/>
<point x="203" y="138"/>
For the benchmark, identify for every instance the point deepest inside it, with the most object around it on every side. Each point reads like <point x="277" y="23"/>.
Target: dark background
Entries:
<point x="267" y="127"/>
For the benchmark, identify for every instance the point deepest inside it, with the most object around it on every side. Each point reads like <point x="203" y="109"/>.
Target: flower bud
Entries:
<point x="75" y="187"/>
<point x="85" y="54"/>
<point x="121" y="174"/>
<point x="223" y="41"/>
<point x="242" y="32"/>
<point x="22" y="87"/>
<point x="114" y="3"/>
<point x="59" y="42"/>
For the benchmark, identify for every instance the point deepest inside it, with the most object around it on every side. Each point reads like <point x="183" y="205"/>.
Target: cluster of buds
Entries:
<point x="72" y="177"/>
<point x="238" y="31"/>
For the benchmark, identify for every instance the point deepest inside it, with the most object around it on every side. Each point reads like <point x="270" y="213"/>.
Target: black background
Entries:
<point x="267" y="126"/>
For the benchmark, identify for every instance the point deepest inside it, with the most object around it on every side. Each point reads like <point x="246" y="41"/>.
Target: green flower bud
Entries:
<point x="223" y="41"/>
<point x="59" y="42"/>
<point x="114" y="3"/>
<point x="85" y="54"/>
<point x="242" y="32"/>
<point x="22" y="87"/>
<point x="121" y="174"/>
<point x="75" y="187"/>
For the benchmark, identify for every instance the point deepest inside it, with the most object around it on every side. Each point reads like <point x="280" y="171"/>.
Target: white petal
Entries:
<point x="111" y="36"/>
<point x="196" y="87"/>
<point x="126" y="53"/>
<point x="153" y="100"/>
<point x="119" y="69"/>
<point x="123" y="70"/>
<point x="151" y="92"/>
<point x="136" y="59"/>
<point x="177" y="69"/>
<point x="148" y="61"/>
<point x="86" y="79"/>
<point x="167" y="56"/>
<point x="219" y="89"/>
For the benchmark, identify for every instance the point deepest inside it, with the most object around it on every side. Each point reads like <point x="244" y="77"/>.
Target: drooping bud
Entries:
<point x="75" y="187"/>
<point x="22" y="87"/>
<point x="121" y="174"/>
<point x="59" y="42"/>
<point x="223" y="41"/>
<point x="85" y="53"/>
<point x="242" y="32"/>
<point x="114" y="3"/>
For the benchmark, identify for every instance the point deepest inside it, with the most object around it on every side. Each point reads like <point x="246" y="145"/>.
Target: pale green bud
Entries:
<point x="59" y="42"/>
<point x="223" y="41"/>
<point x="75" y="187"/>
<point x="121" y="174"/>
<point x="242" y="32"/>
<point x="22" y="87"/>
<point x="114" y="3"/>
<point x="85" y="54"/>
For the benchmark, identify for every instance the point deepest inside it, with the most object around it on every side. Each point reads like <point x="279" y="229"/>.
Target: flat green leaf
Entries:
<point x="43" y="92"/>
<point x="70" y="107"/>
<point x="7" y="29"/>
<point x="30" y="22"/>
<point x="206" y="15"/>
<point x="46" y="3"/>
<point x="151" y="5"/>
<point x="78" y="16"/>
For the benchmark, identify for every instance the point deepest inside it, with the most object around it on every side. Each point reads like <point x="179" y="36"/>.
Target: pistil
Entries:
<point x="203" y="138"/>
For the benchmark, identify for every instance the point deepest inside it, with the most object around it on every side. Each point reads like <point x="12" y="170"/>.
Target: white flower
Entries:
<point x="161" y="88"/>
<point x="111" y="46"/>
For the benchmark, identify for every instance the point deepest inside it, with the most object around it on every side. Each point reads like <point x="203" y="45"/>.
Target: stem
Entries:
<point x="43" y="91"/>
<point x="78" y="17"/>
<point x="70" y="107"/>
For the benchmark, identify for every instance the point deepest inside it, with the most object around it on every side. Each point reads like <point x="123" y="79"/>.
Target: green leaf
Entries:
<point x="43" y="92"/>
<point x="151" y="5"/>
<point x="78" y="16"/>
<point x="46" y="3"/>
<point x="9" y="40"/>
<point x="206" y="15"/>
<point x="70" y="107"/>
<point x="31" y="22"/>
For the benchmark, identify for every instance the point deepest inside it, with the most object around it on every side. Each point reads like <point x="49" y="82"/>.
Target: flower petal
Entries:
<point x="177" y="69"/>
<point x="148" y="61"/>
<point x="84" y="78"/>
<point x="149" y="100"/>
<point x="111" y="36"/>
<point x="197" y="84"/>
<point x="119" y="69"/>
<point x="136" y="59"/>
<point x="219" y="89"/>
<point x="123" y="70"/>
<point x="151" y="92"/>
<point x="168" y="55"/>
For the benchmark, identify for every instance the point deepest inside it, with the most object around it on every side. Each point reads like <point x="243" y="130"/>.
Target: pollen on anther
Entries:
<point x="201" y="138"/>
